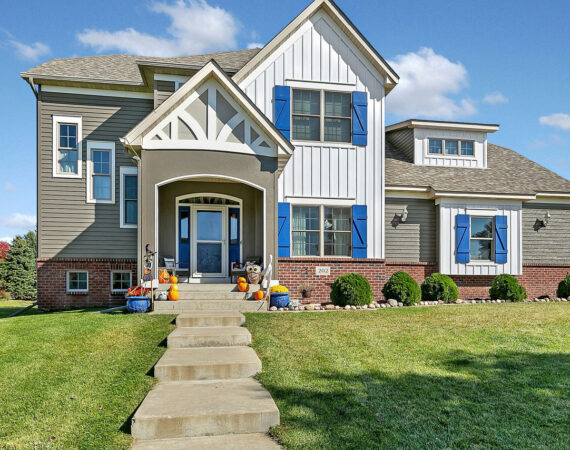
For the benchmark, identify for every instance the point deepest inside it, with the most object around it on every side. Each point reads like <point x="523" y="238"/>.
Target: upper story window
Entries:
<point x="129" y="197"/>
<point x="321" y="116"/>
<point x="450" y="147"/>
<point x="67" y="147"/>
<point x="321" y="231"/>
<point x="100" y="172"/>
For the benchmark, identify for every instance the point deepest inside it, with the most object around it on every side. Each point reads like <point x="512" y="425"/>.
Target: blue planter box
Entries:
<point x="279" y="299"/>
<point x="138" y="304"/>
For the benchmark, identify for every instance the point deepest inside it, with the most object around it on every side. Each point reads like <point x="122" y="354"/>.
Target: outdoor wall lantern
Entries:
<point x="403" y="216"/>
<point x="542" y="223"/>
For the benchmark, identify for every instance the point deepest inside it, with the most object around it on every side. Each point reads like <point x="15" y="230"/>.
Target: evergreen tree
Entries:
<point x="18" y="270"/>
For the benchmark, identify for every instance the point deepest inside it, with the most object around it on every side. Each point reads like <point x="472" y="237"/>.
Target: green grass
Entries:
<point x="481" y="376"/>
<point x="8" y="307"/>
<point x="72" y="380"/>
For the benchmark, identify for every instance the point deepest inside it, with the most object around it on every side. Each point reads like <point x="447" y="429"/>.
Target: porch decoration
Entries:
<point x="279" y="296"/>
<point x="241" y="280"/>
<point x="138" y="304"/>
<point x="163" y="276"/>
<point x="254" y="273"/>
<point x="173" y="294"/>
<point x="243" y="287"/>
<point x="173" y="279"/>
<point x="306" y="290"/>
<point x="258" y="295"/>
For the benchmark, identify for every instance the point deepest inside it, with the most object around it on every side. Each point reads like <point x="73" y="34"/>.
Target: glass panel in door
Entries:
<point x="209" y="242"/>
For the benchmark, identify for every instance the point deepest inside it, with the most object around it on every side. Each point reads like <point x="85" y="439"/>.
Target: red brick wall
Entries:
<point x="52" y="293"/>
<point x="537" y="279"/>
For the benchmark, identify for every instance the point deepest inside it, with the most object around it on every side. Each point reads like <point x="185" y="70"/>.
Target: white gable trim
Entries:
<point x="244" y="76"/>
<point x="207" y="78"/>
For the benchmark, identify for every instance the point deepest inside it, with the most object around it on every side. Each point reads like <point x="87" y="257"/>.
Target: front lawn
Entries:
<point x="72" y="380"/>
<point x="8" y="307"/>
<point x="465" y="376"/>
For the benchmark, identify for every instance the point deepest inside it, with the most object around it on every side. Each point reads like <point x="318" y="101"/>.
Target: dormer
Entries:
<point x="436" y="143"/>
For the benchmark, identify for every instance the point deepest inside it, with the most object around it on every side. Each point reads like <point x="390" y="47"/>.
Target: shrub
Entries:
<point x="439" y="287"/>
<point x="403" y="288"/>
<point x="507" y="287"/>
<point x="5" y="295"/>
<point x="351" y="289"/>
<point x="564" y="288"/>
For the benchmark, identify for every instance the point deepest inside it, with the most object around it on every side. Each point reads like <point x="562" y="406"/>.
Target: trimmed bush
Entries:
<point x="403" y="288"/>
<point x="507" y="287"/>
<point x="351" y="289"/>
<point x="564" y="288"/>
<point x="439" y="287"/>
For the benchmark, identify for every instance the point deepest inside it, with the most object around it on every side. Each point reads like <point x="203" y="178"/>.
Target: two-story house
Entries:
<point x="282" y="151"/>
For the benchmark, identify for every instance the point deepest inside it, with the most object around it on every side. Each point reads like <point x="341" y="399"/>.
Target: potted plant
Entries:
<point x="279" y="296"/>
<point x="306" y="290"/>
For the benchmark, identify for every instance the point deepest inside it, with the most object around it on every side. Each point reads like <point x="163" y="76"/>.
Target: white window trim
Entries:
<point x="76" y="291"/>
<point x="102" y="145"/>
<point x="446" y="155"/>
<point x="321" y="230"/>
<point x="122" y="172"/>
<point x="120" y="291"/>
<point x="55" y="145"/>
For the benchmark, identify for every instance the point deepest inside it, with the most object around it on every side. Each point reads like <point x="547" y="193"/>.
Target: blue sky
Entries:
<point x="488" y="61"/>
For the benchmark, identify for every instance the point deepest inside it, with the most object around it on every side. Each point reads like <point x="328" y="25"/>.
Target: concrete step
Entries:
<point x="252" y="441"/>
<point x="168" y="307"/>
<point x="203" y="295"/>
<point x="208" y="337"/>
<point x="207" y="287"/>
<point x="210" y="319"/>
<point x="207" y="363"/>
<point x="203" y="408"/>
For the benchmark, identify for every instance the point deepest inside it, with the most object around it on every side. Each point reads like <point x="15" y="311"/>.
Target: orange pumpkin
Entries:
<point x="173" y="279"/>
<point x="241" y="280"/>
<point x="243" y="287"/>
<point x="174" y="288"/>
<point x="164" y="277"/>
<point x="258" y="295"/>
<point x="173" y="296"/>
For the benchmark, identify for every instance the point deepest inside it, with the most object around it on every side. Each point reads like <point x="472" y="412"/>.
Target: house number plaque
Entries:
<point x="322" y="271"/>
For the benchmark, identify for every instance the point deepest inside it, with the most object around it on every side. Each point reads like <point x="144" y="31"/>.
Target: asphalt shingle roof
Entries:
<point x="124" y="68"/>
<point x="507" y="172"/>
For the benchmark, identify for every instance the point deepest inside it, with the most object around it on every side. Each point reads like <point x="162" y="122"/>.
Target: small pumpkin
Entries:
<point x="173" y="279"/>
<point x="243" y="287"/>
<point x="241" y="280"/>
<point x="174" y="288"/>
<point x="164" y="277"/>
<point x="173" y="296"/>
<point x="258" y="295"/>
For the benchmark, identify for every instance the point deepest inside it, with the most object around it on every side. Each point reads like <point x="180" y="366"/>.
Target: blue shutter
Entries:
<point x="282" y="109"/>
<point x="501" y="229"/>
<point x="462" y="235"/>
<point x="284" y="230"/>
<point x="359" y="118"/>
<point x="359" y="241"/>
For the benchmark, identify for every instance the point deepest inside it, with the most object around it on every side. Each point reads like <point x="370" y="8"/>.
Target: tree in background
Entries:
<point x="18" y="270"/>
<point x="4" y="247"/>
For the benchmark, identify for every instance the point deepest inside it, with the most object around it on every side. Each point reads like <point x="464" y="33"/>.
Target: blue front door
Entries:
<point x="184" y="237"/>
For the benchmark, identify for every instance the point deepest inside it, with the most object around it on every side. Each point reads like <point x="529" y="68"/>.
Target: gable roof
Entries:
<point x="343" y="22"/>
<point x="508" y="172"/>
<point x="212" y="69"/>
<point x="125" y="69"/>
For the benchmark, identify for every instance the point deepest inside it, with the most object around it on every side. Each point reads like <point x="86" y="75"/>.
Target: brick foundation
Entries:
<point x="537" y="279"/>
<point x="52" y="292"/>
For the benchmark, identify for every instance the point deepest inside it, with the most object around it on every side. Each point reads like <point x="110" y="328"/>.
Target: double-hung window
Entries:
<point x="100" y="172"/>
<point x="321" y="116"/>
<point x="77" y="281"/>
<point x="67" y="147"/>
<point x="450" y="147"/>
<point x="321" y="231"/>
<point x="481" y="239"/>
<point x="129" y="197"/>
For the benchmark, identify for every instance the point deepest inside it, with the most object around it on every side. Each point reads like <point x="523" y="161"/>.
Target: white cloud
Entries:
<point x="31" y="52"/>
<point x="6" y="239"/>
<point x="427" y="81"/>
<point x="196" y="27"/>
<point x="17" y="220"/>
<point x="495" y="98"/>
<point x="560" y="120"/>
<point x="9" y="186"/>
<point x="255" y="45"/>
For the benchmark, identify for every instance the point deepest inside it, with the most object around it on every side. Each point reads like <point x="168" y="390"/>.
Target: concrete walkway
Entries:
<point x="206" y="397"/>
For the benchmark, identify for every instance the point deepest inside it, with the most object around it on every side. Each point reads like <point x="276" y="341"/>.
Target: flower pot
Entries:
<point x="138" y="304"/>
<point x="306" y="293"/>
<point x="279" y="299"/>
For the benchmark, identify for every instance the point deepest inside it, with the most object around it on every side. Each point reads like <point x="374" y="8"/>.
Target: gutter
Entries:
<point x="30" y="81"/>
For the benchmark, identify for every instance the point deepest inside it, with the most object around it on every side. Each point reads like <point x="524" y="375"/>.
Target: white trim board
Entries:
<point x="97" y="92"/>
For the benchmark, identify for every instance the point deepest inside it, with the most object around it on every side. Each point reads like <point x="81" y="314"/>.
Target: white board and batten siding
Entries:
<point x="448" y="210"/>
<point x="421" y="146"/>
<point x="320" y="56"/>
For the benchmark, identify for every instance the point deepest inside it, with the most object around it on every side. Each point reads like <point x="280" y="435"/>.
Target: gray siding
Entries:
<point x="403" y="141"/>
<point x="414" y="240"/>
<point x="162" y="90"/>
<point x="549" y="245"/>
<point x="68" y="226"/>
